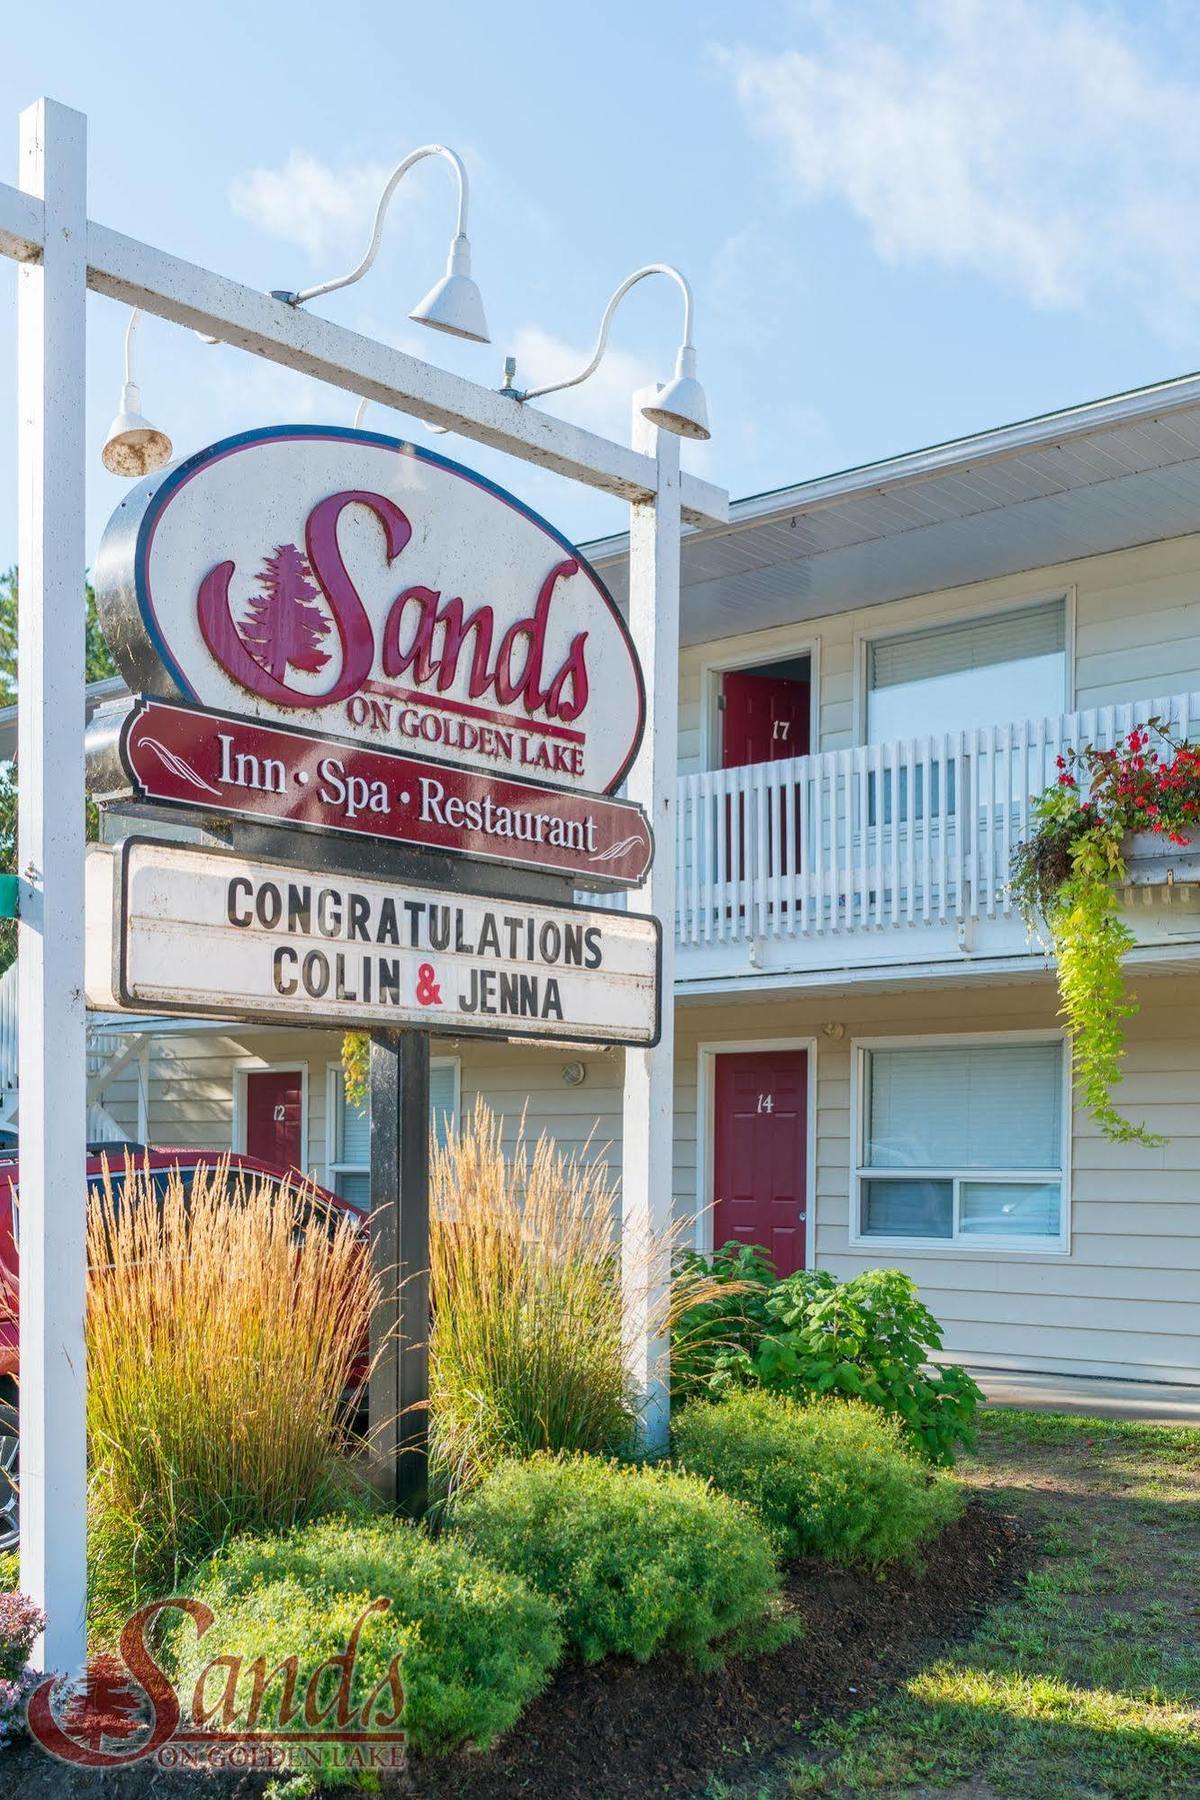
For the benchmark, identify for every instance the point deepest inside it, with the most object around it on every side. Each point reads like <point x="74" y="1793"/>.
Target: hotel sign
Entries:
<point x="361" y="588"/>
<point x="178" y="930"/>
<point x="216" y="763"/>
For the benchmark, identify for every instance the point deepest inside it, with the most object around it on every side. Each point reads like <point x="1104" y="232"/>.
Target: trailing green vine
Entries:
<point x="1069" y="874"/>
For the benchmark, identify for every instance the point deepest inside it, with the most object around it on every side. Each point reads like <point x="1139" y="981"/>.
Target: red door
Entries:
<point x="760" y="1153"/>
<point x="765" y="718"/>
<point x="274" y="1116"/>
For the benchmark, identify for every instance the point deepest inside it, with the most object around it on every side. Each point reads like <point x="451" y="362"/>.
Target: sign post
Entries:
<point x="52" y="1055"/>
<point x="399" y="1384"/>
<point x="648" y="1138"/>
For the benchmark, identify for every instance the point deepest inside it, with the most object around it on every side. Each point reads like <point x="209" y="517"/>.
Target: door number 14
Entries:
<point x="766" y="1103"/>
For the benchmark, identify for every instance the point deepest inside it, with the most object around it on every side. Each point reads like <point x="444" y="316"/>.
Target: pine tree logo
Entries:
<point x="283" y="629"/>
<point x="107" y="1707"/>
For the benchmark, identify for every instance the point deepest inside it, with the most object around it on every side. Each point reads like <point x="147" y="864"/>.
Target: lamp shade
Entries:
<point x="680" y="406"/>
<point x="134" y="446"/>
<point x="454" y="304"/>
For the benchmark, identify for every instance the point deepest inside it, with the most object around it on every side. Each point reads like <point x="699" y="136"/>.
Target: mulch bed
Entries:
<point x="624" y="1731"/>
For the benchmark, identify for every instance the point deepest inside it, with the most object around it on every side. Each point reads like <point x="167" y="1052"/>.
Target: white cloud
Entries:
<point x="308" y="203"/>
<point x="1038" y="146"/>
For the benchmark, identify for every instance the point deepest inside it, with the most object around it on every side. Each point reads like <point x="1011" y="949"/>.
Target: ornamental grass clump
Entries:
<point x="223" y="1323"/>
<point x="637" y="1560"/>
<point x="830" y="1478"/>
<point x="1067" y="878"/>
<point x="528" y="1350"/>
<point x="471" y="1644"/>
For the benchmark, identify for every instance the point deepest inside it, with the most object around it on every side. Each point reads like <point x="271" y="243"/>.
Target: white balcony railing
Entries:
<point x="914" y="832"/>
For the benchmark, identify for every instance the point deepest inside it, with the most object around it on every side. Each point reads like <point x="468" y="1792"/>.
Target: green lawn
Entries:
<point x="1086" y="1684"/>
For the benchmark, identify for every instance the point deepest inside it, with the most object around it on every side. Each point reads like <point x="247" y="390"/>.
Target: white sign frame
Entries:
<point x="163" y="903"/>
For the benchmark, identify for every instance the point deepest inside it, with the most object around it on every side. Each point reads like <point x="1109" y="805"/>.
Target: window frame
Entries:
<point x="963" y="615"/>
<point x="958" y="1244"/>
<point x="333" y="1084"/>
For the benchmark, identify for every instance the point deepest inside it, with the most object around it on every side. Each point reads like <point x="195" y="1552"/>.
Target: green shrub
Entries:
<point x="475" y="1644"/>
<point x="733" y="1318"/>
<point x="830" y="1479"/>
<point x="868" y="1338"/>
<point x="638" y="1560"/>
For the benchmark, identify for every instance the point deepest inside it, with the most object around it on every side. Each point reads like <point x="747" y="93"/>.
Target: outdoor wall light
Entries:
<point x="452" y="304"/>
<point x="680" y="406"/>
<point x="133" y="446"/>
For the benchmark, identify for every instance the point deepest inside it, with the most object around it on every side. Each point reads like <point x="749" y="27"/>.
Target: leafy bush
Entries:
<point x="733" y="1318"/>
<point x="475" y="1644"/>
<point x="638" y="1560"/>
<point x="868" y="1338"/>
<point x="220" y="1338"/>
<point x="830" y="1479"/>
<point x="20" y="1623"/>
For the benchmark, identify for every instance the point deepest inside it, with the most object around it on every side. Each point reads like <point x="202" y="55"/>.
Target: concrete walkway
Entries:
<point x="1154" y="1402"/>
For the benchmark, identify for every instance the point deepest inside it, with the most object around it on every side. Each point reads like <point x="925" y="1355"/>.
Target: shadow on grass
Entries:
<point x="1084" y="1684"/>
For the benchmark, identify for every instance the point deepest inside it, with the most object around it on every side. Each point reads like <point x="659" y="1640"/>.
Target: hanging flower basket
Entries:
<point x="1125" y="817"/>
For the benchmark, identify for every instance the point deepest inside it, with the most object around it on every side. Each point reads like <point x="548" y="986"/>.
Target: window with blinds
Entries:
<point x="987" y="671"/>
<point x="963" y="1143"/>
<point x="348" y="1162"/>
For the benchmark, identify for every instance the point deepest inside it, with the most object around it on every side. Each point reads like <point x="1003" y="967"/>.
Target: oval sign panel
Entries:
<point x="364" y="587"/>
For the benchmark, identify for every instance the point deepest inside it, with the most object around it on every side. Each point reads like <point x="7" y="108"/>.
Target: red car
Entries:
<point x="112" y="1157"/>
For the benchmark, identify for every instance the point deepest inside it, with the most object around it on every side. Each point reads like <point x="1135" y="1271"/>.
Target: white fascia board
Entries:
<point x="958" y="456"/>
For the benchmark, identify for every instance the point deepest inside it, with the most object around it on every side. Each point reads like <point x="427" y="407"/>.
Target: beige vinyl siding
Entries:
<point x="1137" y="636"/>
<point x="193" y="1078"/>
<point x="1126" y="1299"/>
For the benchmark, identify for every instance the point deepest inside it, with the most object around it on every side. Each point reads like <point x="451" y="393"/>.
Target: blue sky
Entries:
<point x="903" y="222"/>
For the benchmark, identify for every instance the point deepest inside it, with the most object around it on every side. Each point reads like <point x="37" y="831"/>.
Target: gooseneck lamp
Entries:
<point x="680" y="405"/>
<point x="133" y="446"/>
<point x="454" y="303"/>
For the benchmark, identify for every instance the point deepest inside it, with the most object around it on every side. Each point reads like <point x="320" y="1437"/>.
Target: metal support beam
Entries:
<point x="399" y="1387"/>
<point x="648" y="1137"/>
<point x="51" y="318"/>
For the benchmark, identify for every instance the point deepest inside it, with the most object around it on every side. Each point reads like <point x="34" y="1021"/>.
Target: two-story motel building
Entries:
<point x="877" y="670"/>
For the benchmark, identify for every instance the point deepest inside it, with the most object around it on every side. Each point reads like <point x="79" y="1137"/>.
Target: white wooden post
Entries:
<point x="648" y="1135"/>
<point x="51" y="305"/>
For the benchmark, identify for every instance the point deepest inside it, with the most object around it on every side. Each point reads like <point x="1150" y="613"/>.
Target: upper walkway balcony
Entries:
<point x="892" y="856"/>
